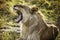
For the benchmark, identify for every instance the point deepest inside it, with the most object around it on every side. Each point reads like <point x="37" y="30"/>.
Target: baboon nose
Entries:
<point x="15" y="7"/>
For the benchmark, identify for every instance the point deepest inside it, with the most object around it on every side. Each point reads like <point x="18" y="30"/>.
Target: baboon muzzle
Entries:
<point x="20" y="16"/>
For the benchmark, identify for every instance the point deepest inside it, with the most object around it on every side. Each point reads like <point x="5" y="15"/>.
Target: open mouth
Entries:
<point x="20" y="16"/>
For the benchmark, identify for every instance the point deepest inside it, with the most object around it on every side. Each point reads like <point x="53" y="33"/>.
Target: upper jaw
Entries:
<point x="15" y="8"/>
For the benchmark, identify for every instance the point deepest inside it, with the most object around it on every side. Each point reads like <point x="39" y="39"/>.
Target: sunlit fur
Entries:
<point x="33" y="27"/>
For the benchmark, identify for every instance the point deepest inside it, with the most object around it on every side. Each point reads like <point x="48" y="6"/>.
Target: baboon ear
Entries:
<point x="34" y="9"/>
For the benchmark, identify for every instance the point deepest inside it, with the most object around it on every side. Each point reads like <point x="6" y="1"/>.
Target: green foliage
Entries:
<point x="50" y="8"/>
<point x="9" y="36"/>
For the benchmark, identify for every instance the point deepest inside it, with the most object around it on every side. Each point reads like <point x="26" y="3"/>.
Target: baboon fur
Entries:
<point x="32" y="26"/>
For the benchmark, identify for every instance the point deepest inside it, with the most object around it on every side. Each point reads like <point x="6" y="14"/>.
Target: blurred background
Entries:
<point x="9" y="30"/>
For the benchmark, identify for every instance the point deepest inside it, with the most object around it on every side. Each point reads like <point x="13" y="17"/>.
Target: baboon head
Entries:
<point x="24" y="11"/>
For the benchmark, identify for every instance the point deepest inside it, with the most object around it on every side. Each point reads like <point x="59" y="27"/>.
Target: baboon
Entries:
<point x="32" y="26"/>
